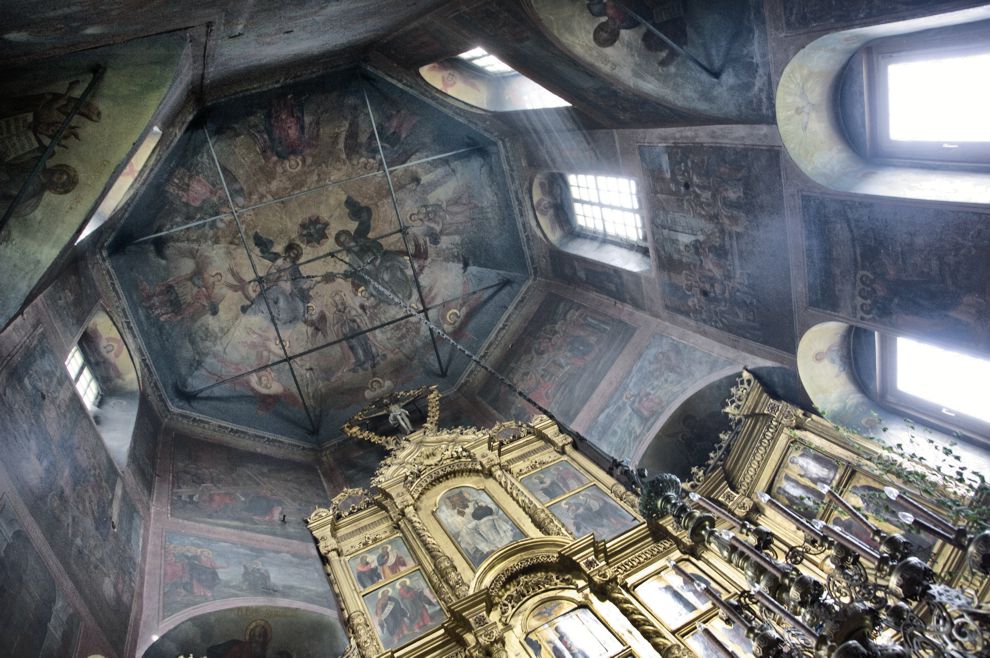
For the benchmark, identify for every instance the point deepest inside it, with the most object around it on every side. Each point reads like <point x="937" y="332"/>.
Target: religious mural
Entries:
<point x="144" y="446"/>
<point x="36" y="619"/>
<point x="718" y="212"/>
<point x="662" y="374"/>
<point x="611" y="37"/>
<point x="568" y="349"/>
<point x="70" y="486"/>
<point x="34" y="105"/>
<point x="620" y="285"/>
<point x="222" y="486"/>
<point x="71" y="299"/>
<point x="475" y="523"/>
<point x="553" y="481"/>
<point x="591" y="510"/>
<point x="265" y="631"/>
<point x="570" y="632"/>
<point x="462" y="82"/>
<point x="913" y="268"/>
<point x="108" y="357"/>
<point x="821" y="14"/>
<point x="199" y="569"/>
<point x="282" y="269"/>
<point x="404" y="610"/>
<point x="381" y="562"/>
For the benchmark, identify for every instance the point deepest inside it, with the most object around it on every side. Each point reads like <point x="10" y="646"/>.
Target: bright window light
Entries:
<point x="607" y="205"/>
<point x="479" y="57"/>
<point x="955" y="382"/>
<point x="940" y="100"/>
<point x="82" y="377"/>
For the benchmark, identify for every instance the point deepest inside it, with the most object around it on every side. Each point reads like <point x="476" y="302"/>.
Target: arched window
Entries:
<point x="829" y="127"/>
<point x="101" y="368"/>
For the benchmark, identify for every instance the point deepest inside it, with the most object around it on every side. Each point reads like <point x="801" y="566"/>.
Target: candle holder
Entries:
<point x="864" y="591"/>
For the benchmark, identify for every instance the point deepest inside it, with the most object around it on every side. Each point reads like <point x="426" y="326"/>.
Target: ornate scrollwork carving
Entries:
<point x="362" y="634"/>
<point x="541" y="516"/>
<point x="353" y="429"/>
<point x="759" y="455"/>
<point x="543" y="561"/>
<point x="445" y="566"/>
<point x="737" y="396"/>
<point x="350" y="501"/>
<point x="438" y="474"/>
<point x="534" y="464"/>
<point x="612" y="591"/>
<point x="644" y="557"/>
<point x="319" y="514"/>
<point x="629" y="498"/>
<point x="528" y="585"/>
<point x="739" y="505"/>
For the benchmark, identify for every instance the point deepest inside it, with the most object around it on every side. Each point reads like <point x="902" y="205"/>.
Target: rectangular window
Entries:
<point x="483" y="60"/>
<point x="607" y="206"/>
<point x="928" y="101"/>
<point x="941" y="386"/>
<point x="83" y="379"/>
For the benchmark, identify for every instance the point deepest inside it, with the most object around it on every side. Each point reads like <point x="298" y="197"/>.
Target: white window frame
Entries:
<point x="924" y="410"/>
<point x="83" y="379"/>
<point x="607" y="207"/>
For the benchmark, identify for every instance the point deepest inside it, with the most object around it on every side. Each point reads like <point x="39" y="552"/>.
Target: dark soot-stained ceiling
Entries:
<point x="256" y="261"/>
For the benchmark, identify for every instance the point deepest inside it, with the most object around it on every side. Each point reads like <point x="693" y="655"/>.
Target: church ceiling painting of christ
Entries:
<point x="281" y="260"/>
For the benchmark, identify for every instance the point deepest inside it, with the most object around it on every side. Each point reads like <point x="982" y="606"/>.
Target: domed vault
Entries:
<point x="281" y="262"/>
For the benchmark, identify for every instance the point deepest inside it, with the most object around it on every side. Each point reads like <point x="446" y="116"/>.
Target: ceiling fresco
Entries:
<point x="264" y="260"/>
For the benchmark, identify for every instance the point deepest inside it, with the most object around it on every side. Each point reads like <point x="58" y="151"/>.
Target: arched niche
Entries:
<point x="807" y="117"/>
<point x="691" y="429"/>
<point x="825" y="364"/>
<point x="109" y="358"/>
<point x="253" y="630"/>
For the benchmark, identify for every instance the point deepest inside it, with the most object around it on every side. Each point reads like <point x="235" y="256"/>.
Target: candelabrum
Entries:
<point x="869" y="591"/>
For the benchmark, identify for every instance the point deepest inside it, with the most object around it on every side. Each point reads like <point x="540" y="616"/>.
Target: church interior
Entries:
<point x="281" y="275"/>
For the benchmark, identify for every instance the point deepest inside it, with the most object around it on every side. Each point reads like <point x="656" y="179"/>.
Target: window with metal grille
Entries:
<point x="607" y="206"/>
<point x="484" y="60"/>
<point x="82" y="377"/>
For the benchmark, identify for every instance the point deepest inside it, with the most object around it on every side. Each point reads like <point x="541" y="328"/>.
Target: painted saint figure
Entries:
<point x="392" y="617"/>
<point x="257" y="637"/>
<point x="418" y="604"/>
<point x="370" y="259"/>
<point x="390" y="563"/>
<point x="347" y="324"/>
<point x="476" y="523"/>
<point x="367" y="572"/>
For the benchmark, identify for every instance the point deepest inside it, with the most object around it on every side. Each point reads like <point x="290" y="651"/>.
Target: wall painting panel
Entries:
<point x="718" y="211"/>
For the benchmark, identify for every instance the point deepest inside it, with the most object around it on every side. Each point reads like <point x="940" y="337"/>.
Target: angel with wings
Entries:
<point x="188" y="296"/>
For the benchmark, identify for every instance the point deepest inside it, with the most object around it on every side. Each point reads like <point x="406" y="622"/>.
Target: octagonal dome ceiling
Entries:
<point x="261" y="262"/>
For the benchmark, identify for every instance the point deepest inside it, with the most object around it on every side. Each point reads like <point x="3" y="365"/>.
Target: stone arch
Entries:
<point x="691" y="426"/>
<point x="291" y="627"/>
